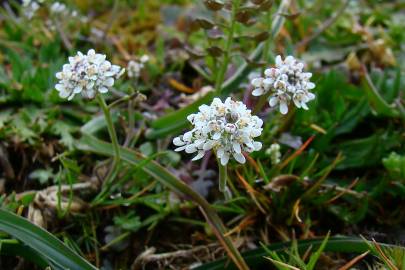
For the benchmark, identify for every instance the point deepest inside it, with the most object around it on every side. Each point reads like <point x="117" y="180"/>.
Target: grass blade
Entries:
<point x="42" y="242"/>
<point x="12" y="247"/>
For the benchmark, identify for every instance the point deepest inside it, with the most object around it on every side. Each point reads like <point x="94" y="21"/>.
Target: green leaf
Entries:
<point x="42" y="242"/>
<point x="97" y="123"/>
<point x="130" y="222"/>
<point x="366" y="151"/>
<point x="377" y="102"/>
<point x="64" y="131"/>
<point x="315" y="256"/>
<point x="395" y="165"/>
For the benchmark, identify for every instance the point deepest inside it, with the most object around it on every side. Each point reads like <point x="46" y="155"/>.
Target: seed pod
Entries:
<point x="292" y="16"/>
<point x="243" y="16"/>
<point x="204" y="23"/>
<point x="214" y="5"/>
<point x="257" y="2"/>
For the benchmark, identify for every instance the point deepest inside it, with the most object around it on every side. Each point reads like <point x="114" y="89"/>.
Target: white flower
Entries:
<point x="58" y="8"/>
<point x="135" y="66"/>
<point x="87" y="74"/>
<point x="30" y="7"/>
<point x="285" y="82"/>
<point x="274" y="152"/>
<point x="228" y="128"/>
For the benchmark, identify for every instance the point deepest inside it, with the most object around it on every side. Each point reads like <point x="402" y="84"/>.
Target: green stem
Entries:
<point x="225" y="61"/>
<point x="223" y="176"/>
<point x="116" y="157"/>
<point x="266" y="48"/>
<point x="131" y="119"/>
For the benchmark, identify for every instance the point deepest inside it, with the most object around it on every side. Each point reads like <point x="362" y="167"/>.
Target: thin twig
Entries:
<point x="354" y="261"/>
<point x="150" y="256"/>
<point x="65" y="40"/>
<point x="111" y="20"/>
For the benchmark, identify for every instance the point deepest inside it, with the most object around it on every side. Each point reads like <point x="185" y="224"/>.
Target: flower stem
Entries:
<point x="226" y="56"/>
<point x="223" y="177"/>
<point x="114" y="141"/>
<point x="266" y="48"/>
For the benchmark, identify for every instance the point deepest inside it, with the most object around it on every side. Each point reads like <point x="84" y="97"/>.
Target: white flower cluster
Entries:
<point x="274" y="152"/>
<point x="58" y="8"/>
<point x="87" y="74"/>
<point x="61" y="10"/>
<point x="30" y="7"/>
<point x="228" y="128"/>
<point x="134" y="67"/>
<point x="286" y="82"/>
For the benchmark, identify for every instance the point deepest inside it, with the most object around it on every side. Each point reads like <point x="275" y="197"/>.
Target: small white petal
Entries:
<point x="257" y="82"/>
<point x="310" y="96"/>
<point x="297" y="103"/>
<point x="283" y="107"/>
<point x="220" y="152"/>
<point x="224" y="159"/>
<point x="181" y="148"/>
<point x="60" y="87"/>
<point x="258" y="92"/>
<point x="273" y="101"/>
<point x="177" y="141"/>
<point x="103" y="89"/>
<point x="77" y="89"/>
<point x="279" y="62"/>
<point x="236" y="147"/>
<point x="257" y="146"/>
<point x="208" y="145"/>
<point x="190" y="148"/>
<point x="199" y="155"/>
<point x="255" y="132"/>
<point x="268" y="72"/>
<point x="216" y="136"/>
<point x="109" y="82"/>
<point x="239" y="157"/>
<point x="310" y="85"/>
<point x="64" y="94"/>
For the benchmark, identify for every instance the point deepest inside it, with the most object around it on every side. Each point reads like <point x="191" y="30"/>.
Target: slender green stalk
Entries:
<point x="266" y="48"/>
<point x="226" y="56"/>
<point x="223" y="177"/>
<point x="114" y="141"/>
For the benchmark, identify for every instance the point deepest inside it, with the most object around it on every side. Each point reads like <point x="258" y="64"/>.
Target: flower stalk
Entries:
<point x="229" y="40"/>
<point x="223" y="175"/>
<point x="116" y="147"/>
